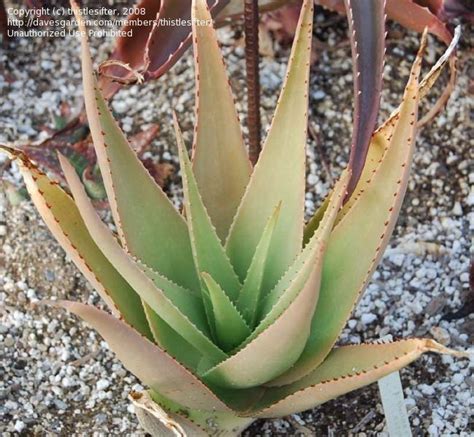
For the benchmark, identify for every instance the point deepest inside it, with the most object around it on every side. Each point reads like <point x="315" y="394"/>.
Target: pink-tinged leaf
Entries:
<point x="414" y="15"/>
<point x="147" y="361"/>
<point x="167" y="300"/>
<point x="63" y="219"/>
<point x="131" y="49"/>
<point x="197" y="423"/>
<point x="345" y="369"/>
<point x="161" y="241"/>
<point x="171" y="342"/>
<point x="155" y="48"/>
<point x="209" y="254"/>
<point x="367" y="33"/>
<point x="279" y="175"/>
<point x="281" y="335"/>
<point x="406" y="12"/>
<point x="362" y="237"/>
<point x="381" y="139"/>
<point x="220" y="161"/>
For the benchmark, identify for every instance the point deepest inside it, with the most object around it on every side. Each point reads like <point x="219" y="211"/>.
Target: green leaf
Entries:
<point x="279" y="339"/>
<point x="161" y="241"/>
<point x="249" y="297"/>
<point x="280" y="171"/>
<point x="209" y="255"/>
<point x="147" y="361"/>
<point x="203" y="423"/>
<point x="231" y="328"/>
<point x="345" y="369"/>
<point x="361" y="236"/>
<point x="163" y="301"/>
<point x="283" y="293"/>
<point x="220" y="161"/>
<point x="63" y="219"/>
<point x="188" y="302"/>
<point x="171" y="342"/>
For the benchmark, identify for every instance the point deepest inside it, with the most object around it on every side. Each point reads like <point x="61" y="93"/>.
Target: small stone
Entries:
<point x="102" y="384"/>
<point x="9" y="342"/>
<point x="458" y="379"/>
<point x="60" y="405"/>
<point x="457" y="209"/>
<point x="19" y="426"/>
<point x="367" y="319"/>
<point x="427" y="390"/>
<point x="319" y="95"/>
<point x="440" y="335"/>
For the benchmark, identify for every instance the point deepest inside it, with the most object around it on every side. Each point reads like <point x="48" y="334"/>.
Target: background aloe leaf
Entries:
<point x="220" y="161"/>
<point x="249" y="297"/>
<point x="164" y="302"/>
<point x="279" y="175"/>
<point x="153" y="50"/>
<point x="231" y="328"/>
<point x="147" y="361"/>
<point x="408" y="13"/>
<point x="345" y="369"/>
<point x="63" y="219"/>
<point x="209" y="254"/>
<point x="357" y="237"/>
<point x="367" y="34"/>
<point x="381" y="140"/>
<point x="161" y="241"/>
<point x="416" y="16"/>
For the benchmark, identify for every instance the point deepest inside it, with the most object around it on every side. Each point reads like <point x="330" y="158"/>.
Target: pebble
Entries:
<point x="367" y="319"/>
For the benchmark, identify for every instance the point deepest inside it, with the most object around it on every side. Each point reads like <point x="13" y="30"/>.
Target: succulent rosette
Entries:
<point x="230" y="310"/>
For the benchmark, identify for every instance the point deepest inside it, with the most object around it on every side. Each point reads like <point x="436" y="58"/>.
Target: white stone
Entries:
<point x="102" y="384"/>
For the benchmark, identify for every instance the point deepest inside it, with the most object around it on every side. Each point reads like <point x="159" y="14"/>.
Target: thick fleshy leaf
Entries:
<point x="220" y="163"/>
<point x="231" y="328"/>
<point x="360" y="237"/>
<point x="281" y="335"/>
<point x="282" y="294"/>
<point x="165" y="302"/>
<point x="381" y="140"/>
<point x="416" y="16"/>
<point x="190" y="303"/>
<point x="155" y="47"/>
<point x="250" y="294"/>
<point x="406" y="12"/>
<point x="161" y="241"/>
<point x="147" y="361"/>
<point x="171" y="342"/>
<point x="63" y="219"/>
<point x="203" y="423"/>
<point x="279" y="175"/>
<point x="367" y="33"/>
<point x="209" y="254"/>
<point x="345" y="369"/>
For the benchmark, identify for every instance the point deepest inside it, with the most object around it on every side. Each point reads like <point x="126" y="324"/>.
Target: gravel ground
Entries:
<point x="58" y="377"/>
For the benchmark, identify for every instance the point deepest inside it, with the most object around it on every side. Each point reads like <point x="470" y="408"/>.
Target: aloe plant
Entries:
<point x="231" y="311"/>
